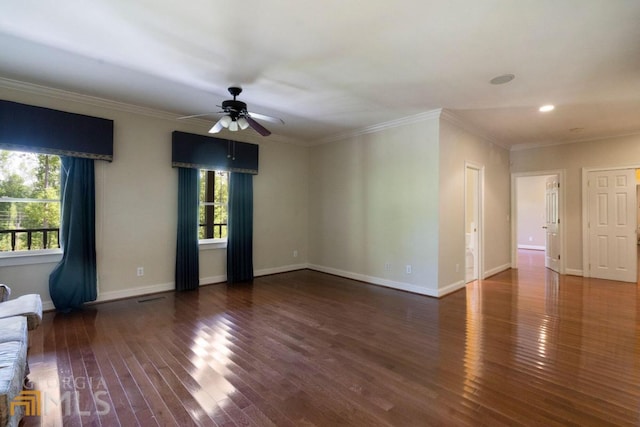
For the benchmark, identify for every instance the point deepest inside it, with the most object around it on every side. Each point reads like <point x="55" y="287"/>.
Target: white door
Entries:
<point x="552" y="225"/>
<point x="612" y="225"/>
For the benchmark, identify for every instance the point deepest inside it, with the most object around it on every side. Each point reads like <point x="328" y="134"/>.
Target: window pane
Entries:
<point x="213" y="204"/>
<point x="222" y="190"/>
<point x="203" y="185"/>
<point x="221" y="221"/>
<point x="201" y="223"/>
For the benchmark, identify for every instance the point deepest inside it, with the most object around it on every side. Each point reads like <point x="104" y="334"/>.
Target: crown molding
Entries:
<point x="404" y="121"/>
<point x="533" y="145"/>
<point x="95" y="101"/>
<point x="456" y="120"/>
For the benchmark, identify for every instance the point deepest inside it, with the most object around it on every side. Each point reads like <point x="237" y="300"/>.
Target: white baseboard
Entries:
<point x="125" y="293"/>
<point x="257" y="273"/>
<point x="213" y="279"/>
<point x="135" y="292"/>
<point x="573" y="272"/>
<point x="375" y="280"/>
<point x="496" y="270"/>
<point x="451" y="288"/>
<point x="278" y="270"/>
<point x="533" y="247"/>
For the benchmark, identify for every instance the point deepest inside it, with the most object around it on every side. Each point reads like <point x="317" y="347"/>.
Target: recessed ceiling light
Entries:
<point x="500" y="80"/>
<point x="546" y="108"/>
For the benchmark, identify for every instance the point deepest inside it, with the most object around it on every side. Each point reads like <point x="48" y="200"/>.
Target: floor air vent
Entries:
<point x="150" y="299"/>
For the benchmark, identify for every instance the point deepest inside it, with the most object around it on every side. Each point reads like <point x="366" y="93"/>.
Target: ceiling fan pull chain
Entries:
<point x="228" y="149"/>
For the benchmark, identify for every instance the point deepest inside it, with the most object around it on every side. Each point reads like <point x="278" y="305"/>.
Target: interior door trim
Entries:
<point x="561" y="173"/>
<point x="480" y="226"/>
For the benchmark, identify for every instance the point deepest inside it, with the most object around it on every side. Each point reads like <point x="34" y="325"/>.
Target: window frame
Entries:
<point x="32" y="256"/>
<point x="37" y="256"/>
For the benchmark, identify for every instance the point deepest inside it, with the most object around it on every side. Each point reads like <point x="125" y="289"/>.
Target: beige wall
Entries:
<point x="603" y="153"/>
<point x="396" y="198"/>
<point x="373" y="202"/>
<point x="458" y="146"/>
<point x="136" y="206"/>
<point x="281" y="201"/>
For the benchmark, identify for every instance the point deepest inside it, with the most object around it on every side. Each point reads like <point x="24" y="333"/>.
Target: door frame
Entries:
<point x="585" y="212"/>
<point x="561" y="215"/>
<point x="480" y="184"/>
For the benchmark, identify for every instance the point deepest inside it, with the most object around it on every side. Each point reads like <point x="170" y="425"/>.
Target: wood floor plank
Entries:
<point x="524" y="347"/>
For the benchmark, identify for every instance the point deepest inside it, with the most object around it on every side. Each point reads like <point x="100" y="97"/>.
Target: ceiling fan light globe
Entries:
<point x="243" y="123"/>
<point x="233" y="126"/>
<point x="225" y="121"/>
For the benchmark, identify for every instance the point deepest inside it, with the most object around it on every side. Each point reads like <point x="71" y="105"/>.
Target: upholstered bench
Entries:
<point x="13" y="367"/>
<point x="17" y="317"/>
<point x="29" y="306"/>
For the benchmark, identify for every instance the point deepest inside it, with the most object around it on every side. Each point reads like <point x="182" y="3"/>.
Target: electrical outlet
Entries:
<point x="387" y="266"/>
<point x="408" y="269"/>
<point x="140" y="271"/>
<point x="457" y="268"/>
<point x="295" y="253"/>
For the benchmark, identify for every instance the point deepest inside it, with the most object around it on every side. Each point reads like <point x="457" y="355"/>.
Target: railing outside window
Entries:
<point x="217" y="230"/>
<point x="50" y="238"/>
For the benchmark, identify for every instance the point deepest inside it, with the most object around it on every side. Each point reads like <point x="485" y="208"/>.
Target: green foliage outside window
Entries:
<point x="34" y="179"/>
<point x="213" y="196"/>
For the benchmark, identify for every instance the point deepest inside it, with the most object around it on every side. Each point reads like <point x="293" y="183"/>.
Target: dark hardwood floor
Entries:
<point x="525" y="347"/>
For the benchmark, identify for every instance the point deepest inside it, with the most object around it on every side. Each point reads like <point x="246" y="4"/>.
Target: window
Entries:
<point x="213" y="196"/>
<point x="29" y="201"/>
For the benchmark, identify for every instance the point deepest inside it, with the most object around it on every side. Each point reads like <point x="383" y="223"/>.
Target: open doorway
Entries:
<point x="473" y="222"/>
<point x="537" y="210"/>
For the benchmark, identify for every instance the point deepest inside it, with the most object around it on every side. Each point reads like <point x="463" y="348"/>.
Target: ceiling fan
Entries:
<point x="237" y="117"/>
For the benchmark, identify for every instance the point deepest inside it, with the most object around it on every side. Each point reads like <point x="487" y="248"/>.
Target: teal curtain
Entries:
<point x="187" y="265"/>
<point x="240" y="228"/>
<point x="74" y="280"/>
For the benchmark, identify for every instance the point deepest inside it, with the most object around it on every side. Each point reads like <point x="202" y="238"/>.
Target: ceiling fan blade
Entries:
<point x="217" y="127"/>
<point x="267" y="118"/>
<point x="257" y="126"/>
<point x="199" y="115"/>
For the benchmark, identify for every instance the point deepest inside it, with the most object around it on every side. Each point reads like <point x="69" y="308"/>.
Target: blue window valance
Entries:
<point x="43" y="130"/>
<point x="205" y="152"/>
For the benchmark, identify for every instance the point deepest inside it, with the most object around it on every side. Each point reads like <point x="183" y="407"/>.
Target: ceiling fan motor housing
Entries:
<point x="233" y="107"/>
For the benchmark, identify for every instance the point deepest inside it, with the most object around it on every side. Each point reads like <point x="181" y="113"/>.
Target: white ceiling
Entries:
<point x="331" y="67"/>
